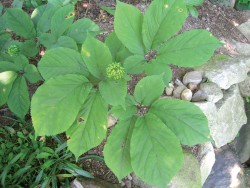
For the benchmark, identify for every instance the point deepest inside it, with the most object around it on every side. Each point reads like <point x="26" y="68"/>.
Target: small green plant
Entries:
<point x="191" y="4"/>
<point x="14" y="76"/>
<point x="25" y="162"/>
<point x="80" y="88"/>
<point x="242" y="5"/>
<point x="50" y="25"/>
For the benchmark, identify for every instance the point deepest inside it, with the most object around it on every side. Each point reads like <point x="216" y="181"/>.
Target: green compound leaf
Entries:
<point x="57" y="102"/>
<point x="118" y="50"/>
<point x="96" y="56"/>
<point x="162" y="20"/>
<point x="127" y="24"/>
<point x="149" y="89"/>
<point x="29" y="48"/>
<point x="44" y="22"/>
<point x="61" y="61"/>
<point x="31" y="73"/>
<point x="114" y="91"/>
<point x="117" y="148"/>
<point x="66" y="42"/>
<point x="129" y="111"/>
<point x="19" y="100"/>
<point x="156" y="153"/>
<point x="8" y="66"/>
<point x="135" y="64"/>
<point x="47" y="40"/>
<point x="19" y="21"/>
<point x="62" y="20"/>
<point x="185" y="119"/>
<point x="189" y="49"/>
<point x="193" y="2"/>
<point x="79" y="30"/>
<point x="37" y="14"/>
<point x="6" y="81"/>
<point x="156" y="68"/>
<point x="91" y="126"/>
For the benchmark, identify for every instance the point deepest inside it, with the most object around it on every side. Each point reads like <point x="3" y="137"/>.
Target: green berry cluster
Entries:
<point x="13" y="50"/>
<point x="115" y="71"/>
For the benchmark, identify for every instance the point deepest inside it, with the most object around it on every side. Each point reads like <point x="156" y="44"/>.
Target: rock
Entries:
<point x="245" y="87"/>
<point x="128" y="184"/>
<point x="91" y="183"/>
<point x="199" y="96"/>
<point x="111" y="120"/>
<point x="178" y="82"/>
<point x="226" y="172"/>
<point x="212" y="91"/>
<point x="192" y="77"/>
<point x="206" y="159"/>
<point x="189" y="176"/>
<point x="186" y="95"/>
<point x="245" y="29"/>
<point x="169" y="90"/>
<point x="242" y="48"/>
<point x="226" y="117"/>
<point x="227" y="73"/>
<point x="192" y="86"/>
<point x="231" y="116"/>
<point x="227" y="3"/>
<point x="247" y="177"/>
<point x="177" y="91"/>
<point x="243" y="143"/>
<point x="129" y="177"/>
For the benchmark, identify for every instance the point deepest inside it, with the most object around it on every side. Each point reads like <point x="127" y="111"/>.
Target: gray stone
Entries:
<point x="192" y="86"/>
<point x="247" y="177"/>
<point x="111" y="120"/>
<point x="92" y="183"/>
<point x="245" y="29"/>
<point x="243" y="143"/>
<point x="206" y="157"/>
<point x="226" y="172"/>
<point x="169" y="90"/>
<point x="192" y="77"/>
<point x="212" y="91"/>
<point x="186" y="95"/>
<point x="231" y="116"/>
<point x="227" y="73"/>
<point x="227" y="3"/>
<point x="199" y="96"/>
<point x="242" y="48"/>
<point x="226" y="117"/>
<point x="177" y="91"/>
<point x="245" y="87"/>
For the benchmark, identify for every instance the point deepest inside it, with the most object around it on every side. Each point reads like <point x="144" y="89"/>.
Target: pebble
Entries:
<point x="193" y="77"/>
<point x="111" y="120"/>
<point x="199" y="96"/>
<point x="128" y="184"/>
<point x="129" y="177"/>
<point x="169" y="90"/>
<point x="177" y="92"/>
<point x="192" y="86"/>
<point x="186" y="95"/>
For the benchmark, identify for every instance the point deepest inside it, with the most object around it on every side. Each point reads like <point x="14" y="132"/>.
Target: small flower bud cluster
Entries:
<point x="13" y="50"/>
<point x="115" y="71"/>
